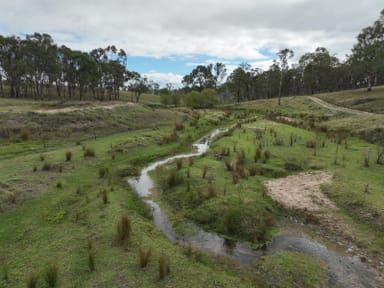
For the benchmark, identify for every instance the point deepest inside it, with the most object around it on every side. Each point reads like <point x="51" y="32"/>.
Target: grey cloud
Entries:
<point x="225" y="29"/>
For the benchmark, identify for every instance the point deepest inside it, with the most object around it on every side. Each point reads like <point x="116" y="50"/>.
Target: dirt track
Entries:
<point x="336" y="108"/>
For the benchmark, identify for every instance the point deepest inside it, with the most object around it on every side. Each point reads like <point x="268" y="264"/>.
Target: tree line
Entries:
<point x="35" y="67"/>
<point x="315" y="72"/>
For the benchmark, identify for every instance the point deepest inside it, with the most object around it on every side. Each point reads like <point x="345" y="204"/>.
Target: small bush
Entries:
<point x="123" y="229"/>
<point x="32" y="280"/>
<point x="190" y="161"/>
<point x="42" y="157"/>
<point x="68" y="156"/>
<point x="144" y="256"/>
<point x="51" y="275"/>
<point x="89" y="152"/>
<point x="164" y="268"/>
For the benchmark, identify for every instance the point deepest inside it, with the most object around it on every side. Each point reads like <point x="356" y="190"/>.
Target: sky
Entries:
<point x="166" y="39"/>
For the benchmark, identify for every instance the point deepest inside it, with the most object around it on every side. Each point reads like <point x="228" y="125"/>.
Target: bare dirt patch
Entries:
<point x="301" y="191"/>
<point x="72" y="109"/>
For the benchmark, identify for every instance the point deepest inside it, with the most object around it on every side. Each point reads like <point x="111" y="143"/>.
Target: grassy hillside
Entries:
<point x="359" y="99"/>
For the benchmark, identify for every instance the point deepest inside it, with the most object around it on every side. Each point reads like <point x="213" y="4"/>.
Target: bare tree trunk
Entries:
<point x="280" y="86"/>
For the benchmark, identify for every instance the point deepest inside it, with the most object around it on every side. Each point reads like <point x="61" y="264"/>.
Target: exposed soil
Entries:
<point x="301" y="191"/>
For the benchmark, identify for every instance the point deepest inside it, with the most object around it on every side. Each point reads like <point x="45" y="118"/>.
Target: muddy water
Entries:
<point x="343" y="271"/>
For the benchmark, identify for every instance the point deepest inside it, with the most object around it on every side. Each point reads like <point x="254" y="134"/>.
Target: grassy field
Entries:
<point x="359" y="99"/>
<point x="67" y="213"/>
<point x="61" y="209"/>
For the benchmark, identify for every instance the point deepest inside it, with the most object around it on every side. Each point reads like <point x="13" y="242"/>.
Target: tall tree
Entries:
<point x="368" y="53"/>
<point x="284" y="56"/>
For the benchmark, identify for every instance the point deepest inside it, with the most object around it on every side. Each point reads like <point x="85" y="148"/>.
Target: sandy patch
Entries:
<point x="301" y="191"/>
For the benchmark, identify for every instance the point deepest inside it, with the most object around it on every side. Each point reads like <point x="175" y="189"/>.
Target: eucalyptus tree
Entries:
<point x="368" y="53"/>
<point x="202" y="77"/>
<point x="284" y="56"/>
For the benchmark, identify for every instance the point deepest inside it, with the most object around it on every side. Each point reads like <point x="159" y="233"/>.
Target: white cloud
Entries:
<point x="222" y="29"/>
<point x="163" y="78"/>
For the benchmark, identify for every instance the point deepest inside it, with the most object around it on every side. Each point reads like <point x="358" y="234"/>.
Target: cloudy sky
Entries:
<point x="166" y="39"/>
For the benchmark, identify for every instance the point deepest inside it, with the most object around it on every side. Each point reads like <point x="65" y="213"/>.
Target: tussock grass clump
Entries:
<point x="124" y="228"/>
<point x="51" y="275"/>
<point x="235" y="178"/>
<point x="211" y="191"/>
<point x="170" y="138"/>
<point x="91" y="260"/>
<point x="46" y="167"/>
<point x="173" y="179"/>
<point x="366" y="160"/>
<point x="68" y="156"/>
<point x="179" y="126"/>
<point x="103" y="172"/>
<point x="5" y="275"/>
<point x="257" y="154"/>
<point x="42" y="157"/>
<point x="205" y="170"/>
<point x="164" y="268"/>
<point x="311" y="144"/>
<point x="89" y="152"/>
<point x="267" y="155"/>
<point x="24" y="134"/>
<point x="190" y="161"/>
<point x="228" y="165"/>
<point x="179" y="164"/>
<point x="144" y="256"/>
<point x="104" y="196"/>
<point x="59" y="184"/>
<point x="253" y="170"/>
<point x="32" y="280"/>
<point x="34" y="168"/>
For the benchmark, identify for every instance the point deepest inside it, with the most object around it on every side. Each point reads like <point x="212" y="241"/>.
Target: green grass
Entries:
<point x="244" y="202"/>
<point x="359" y="99"/>
<point x="50" y="225"/>
<point x="292" y="269"/>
